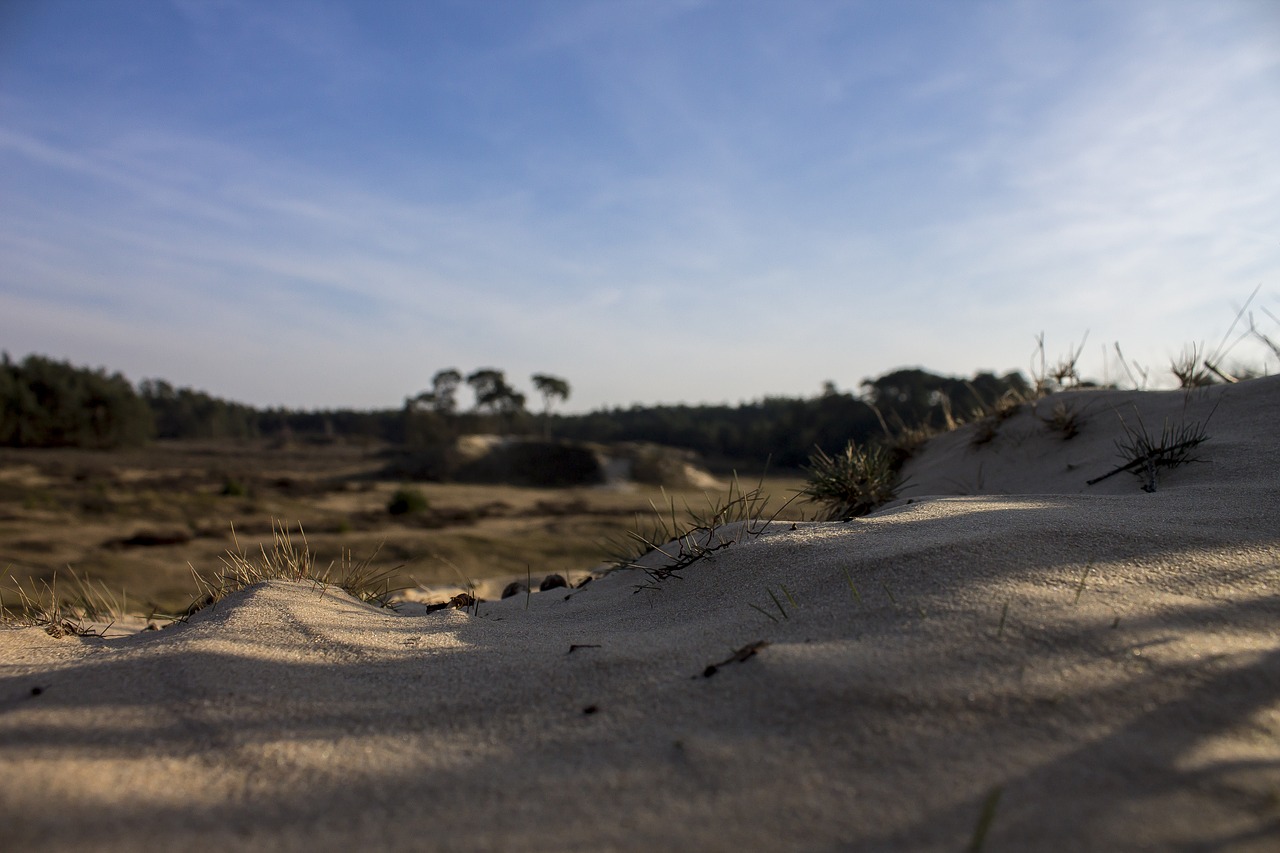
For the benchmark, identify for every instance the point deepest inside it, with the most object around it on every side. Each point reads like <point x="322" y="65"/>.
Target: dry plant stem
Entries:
<point x="757" y="607"/>
<point x="739" y="656"/>
<point x="684" y="543"/>
<point x="1225" y="377"/>
<point x="857" y="596"/>
<point x="985" y="818"/>
<point x="1186" y="369"/>
<point x="59" y="618"/>
<point x="1147" y="455"/>
<point x="1064" y="374"/>
<point x="287" y="561"/>
<point x="1214" y="359"/>
<point x="1145" y="460"/>
<point x="1253" y="330"/>
<point x="1145" y="374"/>
<point x="777" y="603"/>
<point x="1084" y="576"/>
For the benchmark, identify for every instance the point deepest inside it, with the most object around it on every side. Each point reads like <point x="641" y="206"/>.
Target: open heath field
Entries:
<point x="141" y="525"/>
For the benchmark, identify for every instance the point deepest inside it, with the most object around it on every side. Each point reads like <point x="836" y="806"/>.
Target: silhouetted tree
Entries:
<point x="443" y="396"/>
<point x="493" y="394"/>
<point x="551" y="388"/>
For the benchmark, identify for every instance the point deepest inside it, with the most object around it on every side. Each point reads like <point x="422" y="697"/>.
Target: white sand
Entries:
<point x="1128" y="697"/>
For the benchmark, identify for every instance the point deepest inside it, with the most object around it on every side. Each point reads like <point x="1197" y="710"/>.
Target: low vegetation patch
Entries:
<point x="683" y="538"/>
<point x="88" y="611"/>
<point x="1145" y="454"/>
<point x="852" y="483"/>
<point x="1064" y="420"/>
<point x="407" y="501"/>
<point x="287" y="560"/>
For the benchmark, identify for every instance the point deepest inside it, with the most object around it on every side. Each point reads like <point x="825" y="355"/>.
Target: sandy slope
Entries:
<point x="1107" y="660"/>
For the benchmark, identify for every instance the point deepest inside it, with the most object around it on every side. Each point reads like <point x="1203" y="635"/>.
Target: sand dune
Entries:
<point x="1098" y="665"/>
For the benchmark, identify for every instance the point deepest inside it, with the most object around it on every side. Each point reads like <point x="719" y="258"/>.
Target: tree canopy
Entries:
<point x="493" y="394"/>
<point x="47" y="403"/>
<point x="551" y="388"/>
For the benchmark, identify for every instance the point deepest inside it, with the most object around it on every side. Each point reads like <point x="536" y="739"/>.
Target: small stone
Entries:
<point x="462" y="600"/>
<point x="552" y="582"/>
<point x="514" y="588"/>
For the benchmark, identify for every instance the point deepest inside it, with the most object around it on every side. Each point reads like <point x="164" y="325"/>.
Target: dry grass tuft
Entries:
<point x="904" y="442"/>
<point x="684" y="538"/>
<point x="1064" y="420"/>
<point x="89" y="611"/>
<point x="1063" y="374"/>
<point x="1188" y="370"/>
<point x="852" y="483"/>
<point x="1145" y="454"/>
<point x="287" y="560"/>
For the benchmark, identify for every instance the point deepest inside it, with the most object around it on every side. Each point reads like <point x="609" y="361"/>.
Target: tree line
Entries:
<point x="785" y="431"/>
<point x="49" y="403"/>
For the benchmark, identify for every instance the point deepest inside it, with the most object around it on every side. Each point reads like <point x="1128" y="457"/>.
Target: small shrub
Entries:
<point x="853" y="483"/>
<point x="407" y="501"/>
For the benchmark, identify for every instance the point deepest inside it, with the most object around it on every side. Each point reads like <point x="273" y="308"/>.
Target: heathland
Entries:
<point x="141" y="492"/>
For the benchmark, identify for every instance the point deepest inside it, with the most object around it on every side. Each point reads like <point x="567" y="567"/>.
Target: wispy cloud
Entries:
<point x="621" y="192"/>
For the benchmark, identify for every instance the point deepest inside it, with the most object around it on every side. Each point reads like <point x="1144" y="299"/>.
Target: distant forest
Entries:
<point x="48" y="403"/>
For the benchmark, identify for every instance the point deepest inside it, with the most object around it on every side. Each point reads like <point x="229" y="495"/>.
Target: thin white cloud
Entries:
<point x="775" y="226"/>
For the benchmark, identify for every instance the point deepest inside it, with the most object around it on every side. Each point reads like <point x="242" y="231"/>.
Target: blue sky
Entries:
<point x="321" y="204"/>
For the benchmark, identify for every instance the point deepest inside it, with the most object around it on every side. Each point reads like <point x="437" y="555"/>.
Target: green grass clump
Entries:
<point x="853" y="483"/>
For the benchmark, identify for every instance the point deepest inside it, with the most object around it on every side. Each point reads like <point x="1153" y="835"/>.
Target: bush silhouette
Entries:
<point x="406" y="501"/>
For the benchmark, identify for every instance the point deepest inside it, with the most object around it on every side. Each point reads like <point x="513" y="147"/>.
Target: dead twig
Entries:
<point x="743" y="654"/>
